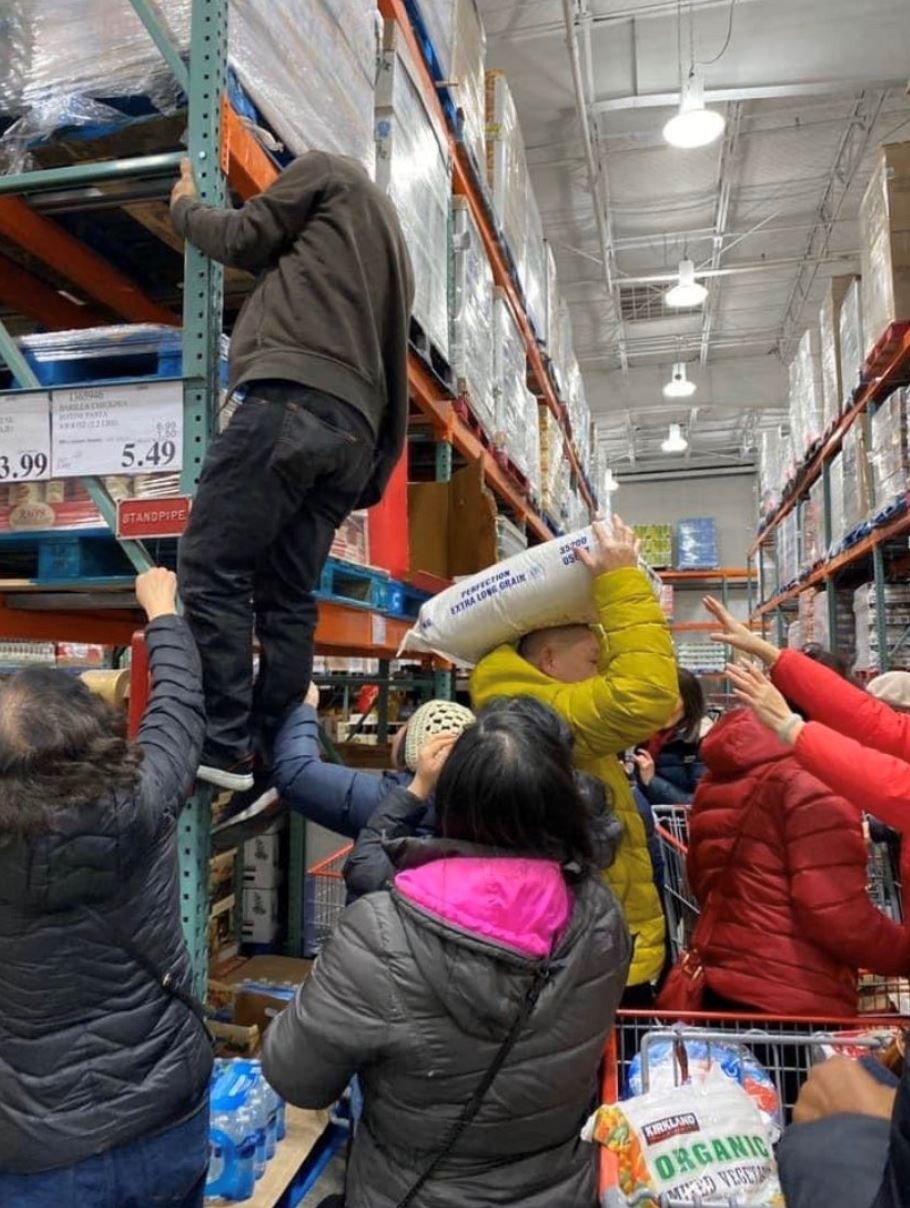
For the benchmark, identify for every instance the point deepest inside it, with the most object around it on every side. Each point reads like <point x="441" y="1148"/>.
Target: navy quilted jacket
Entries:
<point x="93" y="1052"/>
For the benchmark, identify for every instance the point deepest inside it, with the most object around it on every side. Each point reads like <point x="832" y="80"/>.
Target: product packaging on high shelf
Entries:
<point x="856" y="477"/>
<point x="534" y="281"/>
<point x="552" y="300"/>
<point x="472" y="326"/>
<point x="310" y="68"/>
<point x="554" y="465"/>
<point x="510" y="539"/>
<point x="656" y="544"/>
<point x="412" y="165"/>
<point x="805" y="603"/>
<point x="579" y="412"/>
<point x="829" y="332"/>
<point x="531" y="442"/>
<point x="542" y="587"/>
<point x="812" y="524"/>
<point x="260" y="915"/>
<point x="696" y="544"/>
<point x="837" y="515"/>
<point x="806" y="400"/>
<point x="889" y="455"/>
<point x="852" y="346"/>
<point x="701" y="656"/>
<point x="457" y="34"/>
<point x="885" y="243"/>
<point x="510" y="383"/>
<point x="507" y="168"/>
<point x="788" y="556"/>
<point x="774" y="459"/>
<point x="352" y="539"/>
<point x="897" y="621"/>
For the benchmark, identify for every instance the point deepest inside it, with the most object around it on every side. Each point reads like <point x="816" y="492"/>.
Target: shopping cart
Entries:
<point x="786" y="1048"/>
<point x="323" y="899"/>
<point x="680" y="906"/>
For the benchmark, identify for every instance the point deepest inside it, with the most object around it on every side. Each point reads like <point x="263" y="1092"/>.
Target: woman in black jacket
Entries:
<point x="104" y="1066"/>
<point x="474" y="996"/>
<point x="668" y="767"/>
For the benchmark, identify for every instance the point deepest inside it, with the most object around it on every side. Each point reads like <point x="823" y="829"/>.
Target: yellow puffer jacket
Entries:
<point x="630" y="700"/>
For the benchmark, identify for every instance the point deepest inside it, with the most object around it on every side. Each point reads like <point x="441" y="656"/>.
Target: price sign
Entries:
<point x="25" y="436"/>
<point x="132" y="428"/>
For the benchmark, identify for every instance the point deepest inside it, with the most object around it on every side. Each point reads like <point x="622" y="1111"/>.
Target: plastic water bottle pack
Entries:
<point x="247" y="1120"/>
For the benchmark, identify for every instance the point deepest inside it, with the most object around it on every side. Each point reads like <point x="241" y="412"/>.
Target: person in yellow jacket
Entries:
<point x="615" y="689"/>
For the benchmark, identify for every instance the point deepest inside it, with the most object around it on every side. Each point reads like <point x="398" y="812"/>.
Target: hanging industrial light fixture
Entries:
<point x="675" y="442"/>
<point x="693" y="125"/>
<point x="679" y="385"/>
<point x="687" y="291"/>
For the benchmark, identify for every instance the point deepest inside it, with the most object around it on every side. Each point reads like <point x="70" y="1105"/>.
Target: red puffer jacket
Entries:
<point x="795" y="921"/>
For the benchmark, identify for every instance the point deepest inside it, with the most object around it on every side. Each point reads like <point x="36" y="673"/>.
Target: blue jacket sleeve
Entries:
<point x="664" y="792"/>
<point x="897" y="1170"/>
<point x="338" y="798"/>
<point x="368" y="867"/>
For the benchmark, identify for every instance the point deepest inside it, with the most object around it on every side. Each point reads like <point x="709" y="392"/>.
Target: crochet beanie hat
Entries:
<point x="432" y="719"/>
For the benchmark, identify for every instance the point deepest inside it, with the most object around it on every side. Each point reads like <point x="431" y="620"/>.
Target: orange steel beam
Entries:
<point x="29" y="295"/>
<point x="246" y="165"/>
<point x="73" y="260"/>
<point x="357" y="631"/>
<point x="100" y="628"/>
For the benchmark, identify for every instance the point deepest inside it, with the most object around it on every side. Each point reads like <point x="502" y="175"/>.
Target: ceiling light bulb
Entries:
<point x="675" y="442"/>
<point x="688" y="291"/>
<point x="679" y="385"/>
<point x="694" y="125"/>
<point x="610" y="483"/>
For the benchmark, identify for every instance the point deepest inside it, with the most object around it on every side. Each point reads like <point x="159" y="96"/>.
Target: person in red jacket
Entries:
<point x="794" y="922"/>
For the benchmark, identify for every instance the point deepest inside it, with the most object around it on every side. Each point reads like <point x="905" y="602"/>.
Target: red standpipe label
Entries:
<point x="138" y="518"/>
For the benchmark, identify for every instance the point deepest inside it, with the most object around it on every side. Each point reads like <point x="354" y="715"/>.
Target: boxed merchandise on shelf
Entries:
<point x="788" y="559"/>
<point x="852" y="347"/>
<point x="260" y="915"/>
<point x="554" y="466"/>
<point x="885" y="243"/>
<point x="812" y="524"/>
<point x="510" y="539"/>
<point x="510" y="383"/>
<point x="310" y="68"/>
<point x="795" y="638"/>
<point x="837" y="513"/>
<point x="889" y="455"/>
<point x="262" y="867"/>
<point x="774" y="461"/>
<point x="806" y="401"/>
<point x="412" y="166"/>
<point x="656" y="544"/>
<point x="552" y="302"/>
<point x="843" y="639"/>
<point x="472" y="329"/>
<point x="352" y="539"/>
<point x="456" y="31"/>
<point x="534" y="279"/>
<point x="829" y="331"/>
<point x="701" y="656"/>
<point x="696" y="544"/>
<point x="578" y="410"/>
<point x="897" y="623"/>
<point x="531" y="442"/>
<point x="805" y="611"/>
<point x="666" y="599"/>
<point x="856" y="478"/>
<point x="507" y="168"/>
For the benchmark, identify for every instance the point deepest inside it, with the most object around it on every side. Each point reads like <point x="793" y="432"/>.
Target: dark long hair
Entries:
<point x="509" y="784"/>
<point x="61" y="747"/>
<point x="693" y="702"/>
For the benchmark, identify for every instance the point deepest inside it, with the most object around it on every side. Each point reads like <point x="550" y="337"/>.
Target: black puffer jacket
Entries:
<point x="93" y="1053"/>
<point x="416" y="992"/>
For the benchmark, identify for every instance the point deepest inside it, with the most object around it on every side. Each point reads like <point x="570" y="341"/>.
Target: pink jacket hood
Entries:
<point x="517" y="903"/>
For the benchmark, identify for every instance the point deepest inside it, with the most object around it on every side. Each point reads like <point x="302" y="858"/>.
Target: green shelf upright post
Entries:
<point x="443" y="461"/>
<point x="881" y="620"/>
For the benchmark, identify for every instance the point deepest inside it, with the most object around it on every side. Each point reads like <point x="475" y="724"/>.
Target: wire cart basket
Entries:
<point x="786" y="1047"/>
<point x="323" y="899"/>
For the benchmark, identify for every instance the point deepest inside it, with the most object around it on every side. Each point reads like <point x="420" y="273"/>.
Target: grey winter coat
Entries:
<point x="417" y="999"/>
<point x="93" y="1052"/>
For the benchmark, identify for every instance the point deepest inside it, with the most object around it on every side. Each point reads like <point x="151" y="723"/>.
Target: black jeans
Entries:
<point x="275" y="485"/>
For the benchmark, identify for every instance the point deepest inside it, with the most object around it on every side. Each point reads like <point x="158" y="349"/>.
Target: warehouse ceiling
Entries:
<point x="809" y="89"/>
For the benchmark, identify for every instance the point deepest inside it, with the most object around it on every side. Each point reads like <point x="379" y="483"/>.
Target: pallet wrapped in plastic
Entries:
<point x="507" y="168"/>
<point x="531" y="443"/>
<point x="656" y="544"/>
<point x="309" y="68"/>
<point x="788" y="559"/>
<point x="534" y="281"/>
<point x="552" y="302"/>
<point x="829" y="332"/>
<point x="812" y="524"/>
<point x="852" y="354"/>
<point x="856" y="477"/>
<point x="510" y="382"/>
<point x="842" y="637"/>
<point x="552" y="460"/>
<point x="806" y="401"/>
<point x="696" y="544"/>
<point x="773" y="461"/>
<point x="885" y="243"/>
<point x="472" y="326"/>
<point x="889" y="455"/>
<point x="456" y="31"/>
<point x="837" y="520"/>
<point x="412" y="165"/>
<point x="896" y="599"/>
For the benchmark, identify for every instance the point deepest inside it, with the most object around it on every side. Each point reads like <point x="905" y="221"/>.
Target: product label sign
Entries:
<point x="25" y="436"/>
<point x="126" y="428"/>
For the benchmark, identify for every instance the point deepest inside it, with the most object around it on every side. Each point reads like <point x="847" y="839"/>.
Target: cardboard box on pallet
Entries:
<point x="889" y="457"/>
<point x="510" y="376"/>
<point x="885" y="243"/>
<point x="852" y="353"/>
<point x="829" y="331"/>
<point x="806" y="402"/>
<point x="456" y="31"/>
<point x="452" y="525"/>
<point x="472" y="326"/>
<point x="260" y="915"/>
<point x="352" y="539"/>
<point x="856" y="477"/>
<point x="413" y="167"/>
<point x="507" y="168"/>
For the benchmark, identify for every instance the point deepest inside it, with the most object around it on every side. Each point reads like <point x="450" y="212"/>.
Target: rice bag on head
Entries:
<point x="704" y="1144"/>
<point x="702" y="1061"/>
<point x="538" y="588"/>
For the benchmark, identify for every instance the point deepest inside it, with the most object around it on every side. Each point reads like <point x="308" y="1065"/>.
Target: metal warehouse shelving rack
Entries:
<point x="869" y="556"/>
<point x="221" y="149"/>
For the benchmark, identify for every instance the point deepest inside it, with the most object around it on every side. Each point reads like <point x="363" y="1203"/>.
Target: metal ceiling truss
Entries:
<point x="852" y="148"/>
<point x="727" y="169"/>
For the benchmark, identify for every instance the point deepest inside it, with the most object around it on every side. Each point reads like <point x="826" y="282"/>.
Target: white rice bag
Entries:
<point x="703" y="1143"/>
<point x="538" y="588"/>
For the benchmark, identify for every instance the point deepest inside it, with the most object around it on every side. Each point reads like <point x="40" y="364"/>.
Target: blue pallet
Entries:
<point x="452" y="113"/>
<point x="890" y="512"/>
<point x="404" y="601"/>
<point x="62" y="557"/>
<point x="357" y="586"/>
